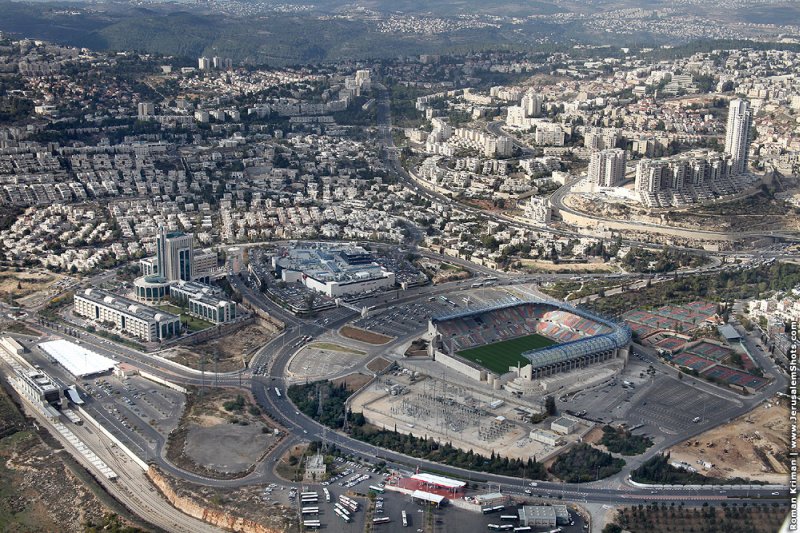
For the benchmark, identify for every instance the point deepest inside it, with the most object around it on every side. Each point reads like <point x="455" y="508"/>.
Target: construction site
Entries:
<point x="753" y="446"/>
<point x="467" y="417"/>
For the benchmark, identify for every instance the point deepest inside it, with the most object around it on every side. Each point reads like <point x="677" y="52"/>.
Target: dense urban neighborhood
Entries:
<point x="445" y="283"/>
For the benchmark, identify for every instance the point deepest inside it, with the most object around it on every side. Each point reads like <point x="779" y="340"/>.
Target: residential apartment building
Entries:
<point x="607" y="167"/>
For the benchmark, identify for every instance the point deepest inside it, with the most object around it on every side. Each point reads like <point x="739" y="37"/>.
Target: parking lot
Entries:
<point x="453" y="520"/>
<point x="671" y="407"/>
<point x="657" y="403"/>
<point x="134" y="409"/>
<point x="404" y="320"/>
<point x="352" y="481"/>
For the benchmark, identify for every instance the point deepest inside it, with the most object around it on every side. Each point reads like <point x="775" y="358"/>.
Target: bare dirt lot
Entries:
<point x="352" y="382"/>
<point x="535" y="265"/>
<point x="19" y="285"/>
<point x="363" y="335"/>
<point x="290" y="465"/>
<point x="378" y="364"/>
<point x="221" y="434"/>
<point x="594" y="435"/>
<point x="227" y="448"/>
<point x="752" y="446"/>
<point x="232" y="350"/>
<point x="441" y="271"/>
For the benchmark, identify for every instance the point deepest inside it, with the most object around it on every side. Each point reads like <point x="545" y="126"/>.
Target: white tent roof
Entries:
<point x="427" y="496"/>
<point x="439" y="481"/>
<point x="76" y="359"/>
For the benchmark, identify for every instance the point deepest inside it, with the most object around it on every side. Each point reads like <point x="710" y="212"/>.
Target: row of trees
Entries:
<point x="445" y="453"/>
<point x="325" y="403"/>
<point x="731" y="518"/>
<point x="723" y="286"/>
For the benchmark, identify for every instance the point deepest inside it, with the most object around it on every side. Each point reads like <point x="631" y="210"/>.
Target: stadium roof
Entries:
<point x="511" y="301"/>
<point x="560" y="353"/>
<point x="439" y="481"/>
<point x="427" y="496"/>
<point x="76" y="359"/>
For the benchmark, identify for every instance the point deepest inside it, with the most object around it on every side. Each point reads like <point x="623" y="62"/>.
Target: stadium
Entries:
<point x="525" y="341"/>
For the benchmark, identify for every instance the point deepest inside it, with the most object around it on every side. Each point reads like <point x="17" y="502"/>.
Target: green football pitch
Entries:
<point x="499" y="356"/>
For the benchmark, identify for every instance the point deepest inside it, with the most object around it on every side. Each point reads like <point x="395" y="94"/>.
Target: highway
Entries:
<point x="276" y="354"/>
<point x="282" y="410"/>
<point x="135" y="491"/>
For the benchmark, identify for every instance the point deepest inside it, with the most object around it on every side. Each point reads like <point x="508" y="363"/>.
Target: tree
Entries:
<point x="550" y="405"/>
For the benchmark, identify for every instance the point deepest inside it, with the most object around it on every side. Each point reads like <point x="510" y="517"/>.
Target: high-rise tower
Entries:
<point x="737" y="134"/>
<point x="174" y="255"/>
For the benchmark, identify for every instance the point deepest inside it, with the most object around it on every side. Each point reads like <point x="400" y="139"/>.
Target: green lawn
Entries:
<point x="191" y="322"/>
<point x="499" y="356"/>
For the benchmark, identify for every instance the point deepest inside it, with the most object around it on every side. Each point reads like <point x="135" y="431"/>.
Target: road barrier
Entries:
<point x="169" y="384"/>
<point x="135" y="458"/>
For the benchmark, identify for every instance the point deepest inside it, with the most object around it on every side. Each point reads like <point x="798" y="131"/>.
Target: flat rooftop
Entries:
<point x="439" y="481"/>
<point x="76" y="359"/>
<point x="126" y="305"/>
<point x="330" y="262"/>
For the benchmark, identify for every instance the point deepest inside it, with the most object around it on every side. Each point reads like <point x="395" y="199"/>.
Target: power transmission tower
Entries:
<point x="202" y="374"/>
<point x="216" y="362"/>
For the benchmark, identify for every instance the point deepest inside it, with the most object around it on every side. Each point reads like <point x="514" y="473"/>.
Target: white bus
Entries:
<point x="348" y="503"/>
<point x="342" y="508"/>
<point x="342" y="515"/>
<point x="309" y="510"/>
<point x="278" y="392"/>
<point x="405" y="518"/>
<point x="375" y="488"/>
<point x="327" y="494"/>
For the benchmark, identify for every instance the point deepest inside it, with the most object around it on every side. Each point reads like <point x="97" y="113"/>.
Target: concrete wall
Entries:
<point x="572" y="217"/>
<point x="460" y="366"/>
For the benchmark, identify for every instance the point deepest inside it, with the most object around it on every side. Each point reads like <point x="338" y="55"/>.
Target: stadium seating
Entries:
<point x="495" y="325"/>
